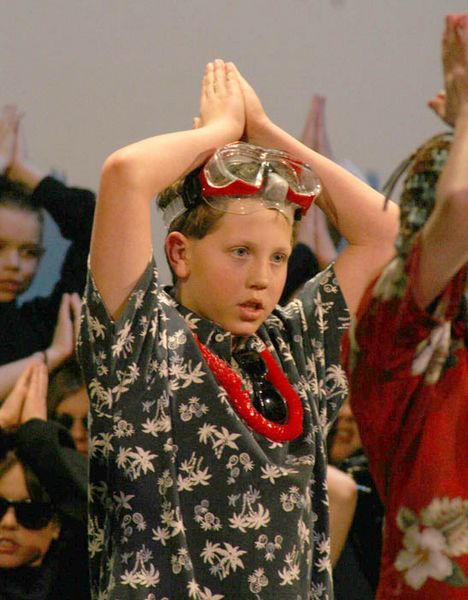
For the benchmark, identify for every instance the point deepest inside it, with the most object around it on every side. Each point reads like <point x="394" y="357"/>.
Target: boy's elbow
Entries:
<point x="120" y="168"/>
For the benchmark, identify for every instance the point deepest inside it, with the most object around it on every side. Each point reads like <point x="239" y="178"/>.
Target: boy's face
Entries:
<point x="236" y="273"/>
<point x="20" y="251"/>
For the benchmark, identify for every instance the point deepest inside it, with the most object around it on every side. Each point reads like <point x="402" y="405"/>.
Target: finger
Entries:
<point x="64" y="309"/>
<point x="35" y="404"/>
<point x="219" y="80"/>
<point x="75" y="306"/>
<point x="232" y="80"/>
<point x="11" y="408"/>
<point x="244" y="84"/>
<point x="196" y="122"/>
<point x="208" y="79"/>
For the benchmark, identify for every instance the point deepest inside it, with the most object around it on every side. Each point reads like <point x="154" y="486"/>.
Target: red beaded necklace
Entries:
<point x="240" y="399"/>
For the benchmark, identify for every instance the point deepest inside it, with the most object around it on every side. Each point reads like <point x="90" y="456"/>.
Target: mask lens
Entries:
<point x="228" y="165"/>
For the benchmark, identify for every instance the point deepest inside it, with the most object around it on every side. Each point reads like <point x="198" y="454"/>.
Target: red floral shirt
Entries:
<point x="409" y="393"/>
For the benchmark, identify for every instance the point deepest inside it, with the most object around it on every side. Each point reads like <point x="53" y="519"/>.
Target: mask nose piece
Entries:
<point x="276" y="190"/>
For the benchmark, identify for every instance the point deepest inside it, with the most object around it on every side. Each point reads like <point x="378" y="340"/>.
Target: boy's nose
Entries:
<point x="259" y="276"/>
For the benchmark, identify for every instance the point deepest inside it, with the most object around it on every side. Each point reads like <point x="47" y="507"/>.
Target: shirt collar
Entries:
<point x="217" y="339"/>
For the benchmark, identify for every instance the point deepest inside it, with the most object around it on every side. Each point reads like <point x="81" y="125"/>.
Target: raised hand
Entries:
<point x="315" y="133"/>
<point x="9" y="120"/>
<point x="66" y="331"/>
<point x="20" y="168"/>
<point x="455" y="63"/>
<point x="221" y="100"/>
<point x="27" y="399"/>
<point x="35" y="400"/>
<point x="256" y="119"/>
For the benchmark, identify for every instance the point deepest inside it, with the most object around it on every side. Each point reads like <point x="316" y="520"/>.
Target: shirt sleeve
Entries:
<point x="112" y="352"/>
<point x="72" y="209"/>
<point x="314" y="324"/>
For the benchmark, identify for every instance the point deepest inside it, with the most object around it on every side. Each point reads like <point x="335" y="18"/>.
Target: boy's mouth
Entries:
<point x="251" y="309"/>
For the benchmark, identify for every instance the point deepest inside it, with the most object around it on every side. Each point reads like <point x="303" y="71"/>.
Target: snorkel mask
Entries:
<point x="241" y="178"/>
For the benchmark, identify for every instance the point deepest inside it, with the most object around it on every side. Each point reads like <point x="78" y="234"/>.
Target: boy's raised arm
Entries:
<point x="354" y="207"/>
<point x="131" y="177"/>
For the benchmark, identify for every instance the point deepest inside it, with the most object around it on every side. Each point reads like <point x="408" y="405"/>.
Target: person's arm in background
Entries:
<point x="351" y="205"/>
<point x="342" y="493"/>
<point x="71" y="208"/>
<point x="313" y="229"/>
<point x="61" y="348"/>
<point x="444" y="239"/>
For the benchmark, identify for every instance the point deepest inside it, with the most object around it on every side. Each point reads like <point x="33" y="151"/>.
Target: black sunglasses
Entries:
<point x="67" y="420"/>
<point x="29" y="513"/>
<point x="266" y="399"/>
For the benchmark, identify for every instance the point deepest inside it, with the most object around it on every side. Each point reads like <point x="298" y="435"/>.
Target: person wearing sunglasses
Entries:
<point x="43" y="492"/>
<point x="68" y="403"/>
<point x="210" y="404"/>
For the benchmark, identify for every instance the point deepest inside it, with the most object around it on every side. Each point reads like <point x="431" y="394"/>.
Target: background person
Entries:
<point x="29" y="330"/>
<point x="407" y="360"/>
<point x="43" y="494"/>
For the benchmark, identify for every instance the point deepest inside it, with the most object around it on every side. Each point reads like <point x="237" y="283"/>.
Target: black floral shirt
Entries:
<point x="186" y="501"/>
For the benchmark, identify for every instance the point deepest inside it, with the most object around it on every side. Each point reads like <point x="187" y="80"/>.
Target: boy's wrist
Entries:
<point x="223" y="132"/>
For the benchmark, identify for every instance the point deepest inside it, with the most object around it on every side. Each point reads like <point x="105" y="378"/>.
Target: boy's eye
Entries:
<point x="279" y="258"/>
<point x="240" y="252"/>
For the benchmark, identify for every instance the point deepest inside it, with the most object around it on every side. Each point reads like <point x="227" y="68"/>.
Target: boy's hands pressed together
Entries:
<point x="256" y="119"/>
<point x="221" y="100"/>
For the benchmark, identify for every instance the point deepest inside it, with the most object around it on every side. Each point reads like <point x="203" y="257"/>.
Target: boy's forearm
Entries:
<point x="355" y="208"/>
<point x="151" y="165"/>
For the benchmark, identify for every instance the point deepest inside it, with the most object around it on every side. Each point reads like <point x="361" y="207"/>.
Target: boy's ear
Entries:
<point x="177" y="255"/>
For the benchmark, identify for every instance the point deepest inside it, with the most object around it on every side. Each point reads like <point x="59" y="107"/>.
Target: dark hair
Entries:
<point x="35" y="489"/>
<point x="65" y="381"/>
<point x="17" y="196"/>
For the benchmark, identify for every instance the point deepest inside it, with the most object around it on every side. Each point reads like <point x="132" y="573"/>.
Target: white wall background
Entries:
<point x="93" y="75"/>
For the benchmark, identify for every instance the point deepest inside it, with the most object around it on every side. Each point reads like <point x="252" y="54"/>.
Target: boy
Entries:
<point x="210" y="406"/>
